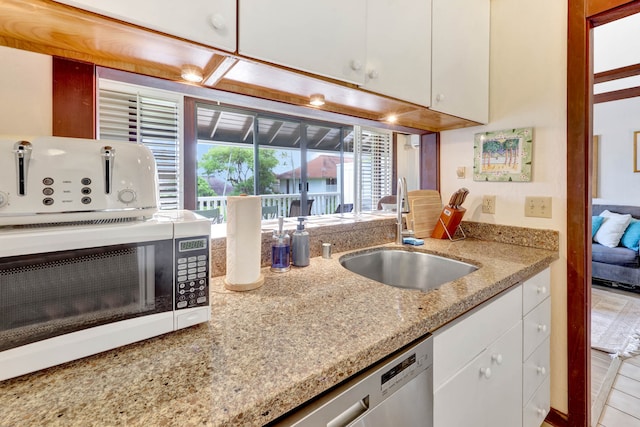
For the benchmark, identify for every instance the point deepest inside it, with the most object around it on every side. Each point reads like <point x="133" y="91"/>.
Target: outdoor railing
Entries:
<point x="323" y="203"/>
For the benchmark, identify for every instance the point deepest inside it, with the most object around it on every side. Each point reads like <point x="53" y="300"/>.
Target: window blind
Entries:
<point x="128" y="115"/>
<point x="374" y="149"/>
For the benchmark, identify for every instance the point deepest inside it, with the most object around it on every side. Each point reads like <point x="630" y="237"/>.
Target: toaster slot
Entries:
<point x="22" y="150"/>
<point x="108" y="157"/>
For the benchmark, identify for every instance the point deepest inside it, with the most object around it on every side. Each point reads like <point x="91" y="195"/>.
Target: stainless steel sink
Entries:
<point x="404" y="269"/>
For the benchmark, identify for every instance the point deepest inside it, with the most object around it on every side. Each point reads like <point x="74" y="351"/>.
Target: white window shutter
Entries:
<point x="375" y="162"/>
<point x="127" y="115"/>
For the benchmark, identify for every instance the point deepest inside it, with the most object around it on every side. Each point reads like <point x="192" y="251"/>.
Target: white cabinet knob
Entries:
<point x="439" y="97"/>
<point x="218" y="21"/>
<point x="542" y="290"/>
<point x="4" y="198"/>
<point x="497" y="358"/>
<point x="373" y="74"/>
<point x="356" y="65"/>
<point x="542" y="328"/>
<point x="541" y="370"/>
<point x="542" y="412"/>
<point x="485" y="372"/>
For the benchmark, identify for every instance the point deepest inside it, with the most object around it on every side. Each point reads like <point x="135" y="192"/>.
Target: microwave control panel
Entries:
<point x="192" y="272"/>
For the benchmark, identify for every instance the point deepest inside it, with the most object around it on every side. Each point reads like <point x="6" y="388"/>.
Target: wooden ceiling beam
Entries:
<point x="617" y="73"/>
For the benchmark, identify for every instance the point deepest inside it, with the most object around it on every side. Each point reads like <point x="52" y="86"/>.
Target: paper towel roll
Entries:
<point x="244" y="215"/>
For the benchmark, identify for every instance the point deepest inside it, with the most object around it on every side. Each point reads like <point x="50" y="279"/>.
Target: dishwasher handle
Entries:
<point x="351" y="413"/>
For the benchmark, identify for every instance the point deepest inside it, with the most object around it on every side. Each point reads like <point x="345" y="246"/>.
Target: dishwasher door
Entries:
<point x="397" y="391"/>
<point x="410" y="406"/>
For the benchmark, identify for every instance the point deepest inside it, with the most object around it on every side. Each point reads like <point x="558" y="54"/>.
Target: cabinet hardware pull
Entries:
<point x="497" y="358"/>
<point x="218" y="22"/>
<point x="485" y="372"/>
<point x="541" y="370"/>
<point x="542" y="328"/>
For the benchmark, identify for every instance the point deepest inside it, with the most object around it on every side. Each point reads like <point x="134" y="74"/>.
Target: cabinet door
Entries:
<point x="322" y="37"/>
<point x="398" y="60"/>
<point x="460" y="58"/>
<point x="457" y="343"/>
<point x="488" y="391"/>
<point x="210" y="22"/>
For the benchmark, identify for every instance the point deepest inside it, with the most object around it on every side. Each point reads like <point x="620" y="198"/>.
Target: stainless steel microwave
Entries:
<point x="72" y="290"/>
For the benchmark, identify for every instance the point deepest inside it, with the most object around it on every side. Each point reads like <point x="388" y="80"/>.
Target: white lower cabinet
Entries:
<point x="486" y="392"/>
<point x="491" y="367"/>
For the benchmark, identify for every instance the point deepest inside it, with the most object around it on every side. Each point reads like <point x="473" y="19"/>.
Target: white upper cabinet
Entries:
<point x="398" y="59"/>
<point x="460" y="58"/>
<point x="326" y="37"/>
<point x="210" y="22"/>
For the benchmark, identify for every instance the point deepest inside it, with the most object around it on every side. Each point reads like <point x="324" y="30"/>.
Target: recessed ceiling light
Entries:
<point x="392" y="118"/>
<point x="317" y="100"/>
<point x="191" y="74"/>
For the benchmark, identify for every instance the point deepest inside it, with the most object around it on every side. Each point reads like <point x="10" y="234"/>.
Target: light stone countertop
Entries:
<point x="265" y="351"/>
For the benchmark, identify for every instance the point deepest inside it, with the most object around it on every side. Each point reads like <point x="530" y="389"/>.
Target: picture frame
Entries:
<point x="636" y="152"/>
<point x="595" y="158"/>
<point x="503" y="155"/>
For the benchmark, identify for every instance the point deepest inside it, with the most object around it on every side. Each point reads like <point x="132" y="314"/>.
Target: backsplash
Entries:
<point x="343" y="234"/>
<point x="521" y="236"/>
<point x="346" y="234"/>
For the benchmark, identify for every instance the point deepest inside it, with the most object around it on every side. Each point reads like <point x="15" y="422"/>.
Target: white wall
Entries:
<point x="527" y="88"/>
<point x="615" y="122"/>
<point x="26" y="90"/>
<point x="408" y="162"/>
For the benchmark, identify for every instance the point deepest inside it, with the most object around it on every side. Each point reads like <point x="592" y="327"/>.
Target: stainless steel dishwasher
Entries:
<point x="397" y="391"/>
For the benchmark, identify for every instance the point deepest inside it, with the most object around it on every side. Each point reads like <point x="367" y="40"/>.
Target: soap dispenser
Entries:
<point x="280" y="253"/>
<point x="300" y="245"/>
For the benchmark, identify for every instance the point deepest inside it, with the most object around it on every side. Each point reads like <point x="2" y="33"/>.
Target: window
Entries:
<point x="288" y="161"/>
<point x="153" y="118"/>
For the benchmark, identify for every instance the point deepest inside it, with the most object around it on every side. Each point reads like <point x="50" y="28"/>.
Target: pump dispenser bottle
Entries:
<point x="280" y="244"/>
<point x="300" y="245"/>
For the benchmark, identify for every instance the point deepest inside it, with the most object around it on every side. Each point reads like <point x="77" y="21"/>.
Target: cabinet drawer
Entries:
<point x="535" y="370"/>
<point x="456" y="344"/>
<point x="536" y="410"/>
<point x="535" y="290"/>
<point x="536" y="327"/>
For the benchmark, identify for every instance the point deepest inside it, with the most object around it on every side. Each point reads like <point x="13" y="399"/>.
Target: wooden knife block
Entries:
<point x="449" y="218"/>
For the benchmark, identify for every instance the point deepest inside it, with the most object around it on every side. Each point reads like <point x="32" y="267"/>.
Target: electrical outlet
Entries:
<point x="537" y="206"/>
<point x="489" y="204"/>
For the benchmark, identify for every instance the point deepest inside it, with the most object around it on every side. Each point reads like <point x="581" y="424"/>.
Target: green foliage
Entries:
<point x="204" y="189"/>
<point x="236" y="166"/>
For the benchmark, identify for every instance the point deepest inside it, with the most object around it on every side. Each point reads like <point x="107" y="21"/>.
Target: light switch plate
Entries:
<point x="489" y="204"/>
<point x="537" y="207"/>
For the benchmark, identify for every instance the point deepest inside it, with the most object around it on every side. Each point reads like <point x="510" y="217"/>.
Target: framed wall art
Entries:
<point x="503" y="156"/>
<point x="636" y="151"/>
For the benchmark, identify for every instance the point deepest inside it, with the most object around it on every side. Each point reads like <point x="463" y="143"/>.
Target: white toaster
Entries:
<point x="55" y="179"/>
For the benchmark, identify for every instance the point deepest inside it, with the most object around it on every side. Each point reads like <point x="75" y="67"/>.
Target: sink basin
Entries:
<point x="404" y="269"/>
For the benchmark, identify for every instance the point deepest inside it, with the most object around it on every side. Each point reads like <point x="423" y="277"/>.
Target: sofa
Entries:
<point x="617" y="266"/>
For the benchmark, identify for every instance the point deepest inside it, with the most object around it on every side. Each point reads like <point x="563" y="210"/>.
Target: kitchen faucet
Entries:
<point x="402" y="206"/>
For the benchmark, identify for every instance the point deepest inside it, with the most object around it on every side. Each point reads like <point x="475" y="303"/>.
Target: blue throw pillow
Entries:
<point x="596" y="222"/>
<point x="631" y="235"/>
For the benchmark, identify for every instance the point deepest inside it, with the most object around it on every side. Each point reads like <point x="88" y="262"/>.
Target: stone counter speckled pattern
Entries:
<point x="265" y="351"/>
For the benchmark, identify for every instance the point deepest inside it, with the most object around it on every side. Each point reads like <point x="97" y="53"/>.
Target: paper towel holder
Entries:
<point x="244" y="286"/>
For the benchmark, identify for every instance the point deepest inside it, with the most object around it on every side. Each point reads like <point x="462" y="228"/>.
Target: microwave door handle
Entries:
<point x="22" y="150"/>
<point x="108" y="154"/>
